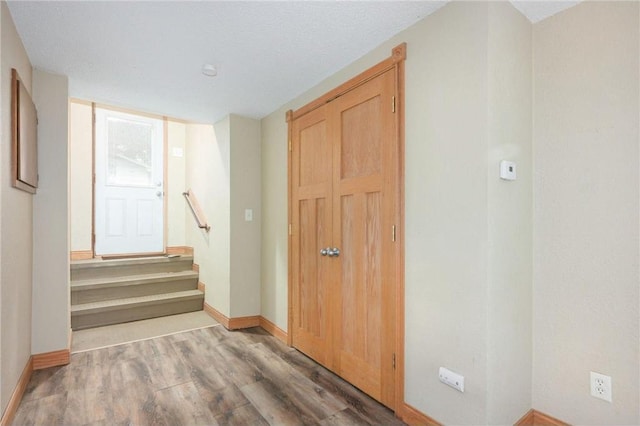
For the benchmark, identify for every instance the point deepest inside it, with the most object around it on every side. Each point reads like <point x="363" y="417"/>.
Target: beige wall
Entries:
<point x="80" y="171"/>
<point x="245" y="235"/>
<point x="273" y="244"/>
<point x="208" y="176"/>
<point x="175" y="184"/>
<point x="51" y="321"/>
<point x="586" y="274"/>
<point x="457" y="230"/>
<point x="509" y="327"/>
<point x="223" y="170"/>
<point x="446" y="211"/>
<point x="16" y="236"/>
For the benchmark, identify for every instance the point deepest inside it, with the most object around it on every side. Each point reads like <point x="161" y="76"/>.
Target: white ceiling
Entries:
<point x="149" y="55"/>
<point x="536" y="10"/>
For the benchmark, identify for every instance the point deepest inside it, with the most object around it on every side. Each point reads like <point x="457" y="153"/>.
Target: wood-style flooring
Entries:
<point x="201" y="377"/>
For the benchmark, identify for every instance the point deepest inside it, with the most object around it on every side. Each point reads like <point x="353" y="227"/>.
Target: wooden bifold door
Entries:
<point x="345" y="209"/>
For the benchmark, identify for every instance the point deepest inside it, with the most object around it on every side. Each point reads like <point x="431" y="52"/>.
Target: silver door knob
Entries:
<point x="333" y="252"/>
<point x="325" y="251"/>
<point x="159" y="194"/>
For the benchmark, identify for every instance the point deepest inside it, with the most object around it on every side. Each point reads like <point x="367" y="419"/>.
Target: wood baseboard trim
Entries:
<point x="537" y="418"/>
<point x="273" y="330"/>
<point x="527" y="419"/>
<point x="231" y="323"/>
<point x="414" y="417"/>
<point x="81" y="255"/>
<point x="186" y="250"/>
<point x="18" y="392"/>
<point x="195" y="267"/>
<point x="244" y="322"/>
<point x="51" y="359"/>
<point x="216" y="315"/>
<point x="201" y="286"/>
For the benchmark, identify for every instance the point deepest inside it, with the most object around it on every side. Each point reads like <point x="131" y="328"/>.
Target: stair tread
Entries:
<point x="126" y="302"/>
<point x="130" y="279"/>
<point x="105" y="263"/>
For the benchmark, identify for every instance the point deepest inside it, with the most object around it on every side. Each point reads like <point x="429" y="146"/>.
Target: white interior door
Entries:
<point x="129" y="184"/>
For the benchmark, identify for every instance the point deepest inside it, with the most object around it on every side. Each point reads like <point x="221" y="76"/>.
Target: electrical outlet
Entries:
<point x="601" y="386"/>
<point x="452" y="379"/>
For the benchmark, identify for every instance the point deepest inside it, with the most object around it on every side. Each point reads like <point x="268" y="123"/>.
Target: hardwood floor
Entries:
<point x="208" y="376"/>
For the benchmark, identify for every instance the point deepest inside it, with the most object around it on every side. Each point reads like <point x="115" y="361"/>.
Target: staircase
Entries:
<point x="107" y="292"/>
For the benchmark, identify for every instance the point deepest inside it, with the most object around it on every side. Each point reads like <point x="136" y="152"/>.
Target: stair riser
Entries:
<point x="79" y="322"/>
<point x="124" y="291"/>
<point x="124" y="270"/>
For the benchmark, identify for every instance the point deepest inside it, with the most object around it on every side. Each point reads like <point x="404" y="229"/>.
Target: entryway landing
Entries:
<point x="119" y="334"/>
<point x="115" y="291"/>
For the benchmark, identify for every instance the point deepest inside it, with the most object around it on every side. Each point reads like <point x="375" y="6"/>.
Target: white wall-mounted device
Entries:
<point x="507" y="170"/>
<point x="452" y="379"/>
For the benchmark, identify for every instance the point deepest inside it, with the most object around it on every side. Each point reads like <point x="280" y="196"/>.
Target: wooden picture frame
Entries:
<point x="24" y="137"/>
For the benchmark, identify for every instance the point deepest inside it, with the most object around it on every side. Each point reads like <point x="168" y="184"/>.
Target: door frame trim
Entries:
<point x="165" y="176"/>
<point x="396" y="60"/>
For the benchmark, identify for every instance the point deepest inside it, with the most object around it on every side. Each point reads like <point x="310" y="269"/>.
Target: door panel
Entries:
<point x="311" y="190"/>
<point x="364" y="194"/>
<point x="345" y="195"/>
<point x="359" y="328"/>
<point x="361" y="140"/>
<point x="116" y="216"/>
<point x="129" y="206"/>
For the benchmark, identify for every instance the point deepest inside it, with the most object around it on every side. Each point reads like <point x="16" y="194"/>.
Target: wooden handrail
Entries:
<point x="201" y="220"/>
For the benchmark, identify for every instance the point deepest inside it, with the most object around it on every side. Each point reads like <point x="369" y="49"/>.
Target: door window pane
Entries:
<point x="129" y="152"/>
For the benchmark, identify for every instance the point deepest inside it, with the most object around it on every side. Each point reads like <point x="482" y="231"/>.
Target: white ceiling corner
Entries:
<point x="536" y="10"/>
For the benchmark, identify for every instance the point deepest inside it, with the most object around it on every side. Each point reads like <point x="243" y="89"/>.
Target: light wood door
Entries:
<point x="345" y="196"/>
<point x="364" y="213"/>
<point x="312" y="203"/>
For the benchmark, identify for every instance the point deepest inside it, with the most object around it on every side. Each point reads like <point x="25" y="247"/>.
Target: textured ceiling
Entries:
<point x="149" y="55"/>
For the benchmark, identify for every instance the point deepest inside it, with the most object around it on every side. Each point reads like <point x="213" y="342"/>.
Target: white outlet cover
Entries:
<point x="601" y="386"/>
<point x="452" y="379"/>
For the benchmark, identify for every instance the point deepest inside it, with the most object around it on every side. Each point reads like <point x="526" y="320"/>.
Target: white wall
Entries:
<point x="586" y="273"/>
<point x="16" y="236"/>
<point x="51" y="322"/>
<point x="457" y="284"/>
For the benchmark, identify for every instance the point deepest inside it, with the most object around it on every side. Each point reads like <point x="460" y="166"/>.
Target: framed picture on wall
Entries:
<point x="24" y="137"/>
